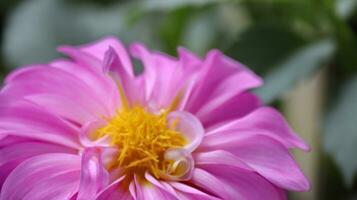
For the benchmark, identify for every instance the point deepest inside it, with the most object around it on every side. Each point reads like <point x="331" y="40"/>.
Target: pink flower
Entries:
<point x="185" y="128"/>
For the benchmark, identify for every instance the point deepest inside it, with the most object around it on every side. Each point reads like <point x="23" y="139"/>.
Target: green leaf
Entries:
<point x="299" y="66"/>
<point x="340" y="137"/>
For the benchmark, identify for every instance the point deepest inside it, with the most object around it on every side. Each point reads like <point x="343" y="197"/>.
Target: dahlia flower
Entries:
<point x="88" y="127"/>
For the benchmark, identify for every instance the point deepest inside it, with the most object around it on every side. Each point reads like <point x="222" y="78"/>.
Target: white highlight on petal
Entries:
<point x="189" y="126"/>
<point x="182" y="167"/>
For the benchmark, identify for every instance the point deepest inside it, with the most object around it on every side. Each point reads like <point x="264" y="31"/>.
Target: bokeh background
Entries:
<point x="306" y="50"/>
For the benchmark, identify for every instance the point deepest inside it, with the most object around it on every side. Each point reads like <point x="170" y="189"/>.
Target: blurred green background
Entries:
<point x="306" y="50"/>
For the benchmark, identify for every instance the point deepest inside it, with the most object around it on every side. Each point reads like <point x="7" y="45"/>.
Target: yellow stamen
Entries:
<point x="142" y="139"/>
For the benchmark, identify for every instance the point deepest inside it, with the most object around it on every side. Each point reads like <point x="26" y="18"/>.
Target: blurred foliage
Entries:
<point x="285" y="41"/>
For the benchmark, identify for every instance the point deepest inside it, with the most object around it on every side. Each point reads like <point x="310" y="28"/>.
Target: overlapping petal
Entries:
<point x="236" y="149"/>
<point x="52" y="176"/>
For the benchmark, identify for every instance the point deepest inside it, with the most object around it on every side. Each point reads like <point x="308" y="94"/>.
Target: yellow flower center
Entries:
<point x="142" y="139"/>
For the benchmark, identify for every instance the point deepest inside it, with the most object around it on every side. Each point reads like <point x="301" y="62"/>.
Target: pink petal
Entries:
<point x="99" y="48"/>
<point x="13" y="154"/>
<point x="114" y="191"/>
<point x="187" y="192"/>
<point x="268" y="157"/>
<point x="48" y="176"/>
<point x="212" y="184"/>
<point x="237" y="107"/>
<point x="105" y="87"/>
<point x="266" y="121"/>
<point x="219" y="157"/>
<point x="93" y="175"/>
<point x="235" y="183"/>
<point x="113" y="67"/>
<point x="190" y="127"/>
<point x="165" y="78"/>
<point x="151" y="192"/>
<point x="226" y="90"/>
<point x="218" y="74"/>
<point x="28" y="120"/>
<point x="55" y="83"/>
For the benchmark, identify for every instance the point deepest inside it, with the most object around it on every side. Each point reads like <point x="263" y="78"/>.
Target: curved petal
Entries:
<point x="226" y="90"/>
<point x="167" y="79"/>
<point x="88" y="139"/>
<point x="151" y="192"/>
<point x="125" y="80"/>
<point x="25" y="119"/>
<point x="114" y="191"/>
<point x="219" y="157"/>
<point x="93" y="175"/>
<point x="219" y="74"/>
<point x="267" y="157"/>
<point x="53" y="81"/>
<point x="105" y="87"/>
<point x="182" y="166"/>
<point x="14" y="150"/>
<point x="188" y="125"/>
<point x="187" y="192"/>
<point x="99" y="48"/>
<point x="235" y="183"/>
<point x="266" y="121"/>
<point x="52" y="176"/>
<point x="235" y="108"/>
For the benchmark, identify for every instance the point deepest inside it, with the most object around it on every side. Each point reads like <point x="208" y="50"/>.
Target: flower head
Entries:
<point x="185" y="128"/>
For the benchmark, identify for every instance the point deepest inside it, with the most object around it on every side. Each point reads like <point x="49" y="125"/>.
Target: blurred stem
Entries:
<point x="303" y="108"/>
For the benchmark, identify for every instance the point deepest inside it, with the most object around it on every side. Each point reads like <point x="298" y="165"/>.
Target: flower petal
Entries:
<point x="105" y="87"/>
<point x="189" y="126"/>
<point x="99" y="48"/>
<point x="219" y="157"/>
<point x="55" y="82"/>
<point x="13" y="154"/>
<point x="114" y="191"/>
<point x="52" y="176"/>
<point x="25" y="119"/>
<point x="93" y="175"/>
<point x="235" y="183"/>
<point x="218" y="74"/>
<point x="267" y="157"/>
<point x="266" y="121"/>
<point x="187" y="192"/>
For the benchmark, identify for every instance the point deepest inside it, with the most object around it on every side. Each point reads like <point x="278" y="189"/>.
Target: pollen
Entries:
<point x="142" y="139"/>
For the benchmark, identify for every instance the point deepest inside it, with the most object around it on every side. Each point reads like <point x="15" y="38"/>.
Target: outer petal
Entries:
<point x="220" y="157"/>
<point x="93" y="175"/>
<point x="266" y="121"/>
<point x="13" y="154"/>
<point x="219" y="74"/>
<point x="51" y="176"/>
<point x="48" y="84"/>
<point x="234" y="183"/>
<point x="235" y="108"/>
<point x="268" y="157"/>
<point x="95" y="79"/>
<point x="31" y="121"/>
